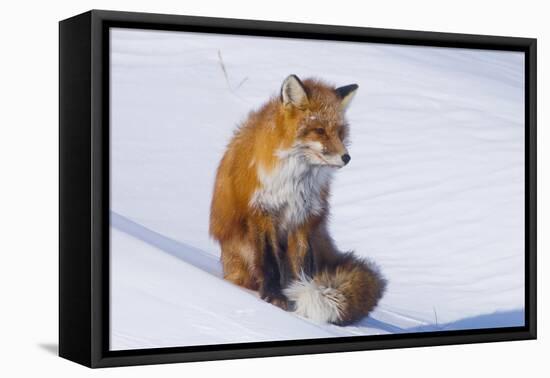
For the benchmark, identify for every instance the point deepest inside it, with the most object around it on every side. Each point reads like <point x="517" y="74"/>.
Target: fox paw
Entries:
<point x="278" y="300"/>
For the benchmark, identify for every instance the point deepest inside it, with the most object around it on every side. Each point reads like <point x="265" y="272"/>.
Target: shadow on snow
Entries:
<point x="182" y="251"/>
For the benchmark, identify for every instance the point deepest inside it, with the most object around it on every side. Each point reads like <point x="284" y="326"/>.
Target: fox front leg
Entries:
<point x="300" y="255"/>
<point x="270" y="262"/>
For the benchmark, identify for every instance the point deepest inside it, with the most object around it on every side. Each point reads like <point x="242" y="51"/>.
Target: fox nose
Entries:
<point x="346" y="158"/>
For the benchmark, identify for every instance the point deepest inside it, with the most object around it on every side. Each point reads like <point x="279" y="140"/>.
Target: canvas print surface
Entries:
<point x="411" y="158"/>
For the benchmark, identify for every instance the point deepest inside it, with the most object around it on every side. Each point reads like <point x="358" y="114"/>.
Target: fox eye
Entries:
<point x="320" y="131"/>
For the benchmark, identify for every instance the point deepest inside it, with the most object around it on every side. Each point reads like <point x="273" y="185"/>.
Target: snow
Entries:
<point x="434" y="193"/>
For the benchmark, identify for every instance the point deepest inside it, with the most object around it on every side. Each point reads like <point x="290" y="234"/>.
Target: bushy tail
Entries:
<point x="340" y="293"/>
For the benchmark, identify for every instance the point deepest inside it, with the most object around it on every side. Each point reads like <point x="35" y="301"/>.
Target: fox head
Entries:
<point x="315" y="112"/>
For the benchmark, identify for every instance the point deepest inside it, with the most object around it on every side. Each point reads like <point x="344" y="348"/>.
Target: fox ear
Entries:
<point x="346" y="93"/>
<point x="293" y="92"/>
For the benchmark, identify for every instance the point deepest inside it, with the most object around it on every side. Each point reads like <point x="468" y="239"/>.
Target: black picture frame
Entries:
<point x="84" y="188"/>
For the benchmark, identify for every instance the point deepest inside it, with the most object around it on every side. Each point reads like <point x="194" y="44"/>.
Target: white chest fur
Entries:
<point x="292" y="190"/>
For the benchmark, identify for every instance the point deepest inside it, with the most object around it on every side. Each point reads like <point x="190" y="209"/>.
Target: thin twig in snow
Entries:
<point x="242" y="82"/>
<point x="436" y="322"/>
<point x="224" y="70"/>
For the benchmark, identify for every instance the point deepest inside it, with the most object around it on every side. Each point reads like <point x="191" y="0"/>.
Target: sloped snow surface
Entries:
<point x="434" y="193"/>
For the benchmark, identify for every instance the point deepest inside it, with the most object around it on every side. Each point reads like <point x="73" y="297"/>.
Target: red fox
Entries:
<point x="270" y="206"/>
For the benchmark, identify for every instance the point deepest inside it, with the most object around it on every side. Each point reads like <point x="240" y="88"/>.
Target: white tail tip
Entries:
<point x="316" y="302"/>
